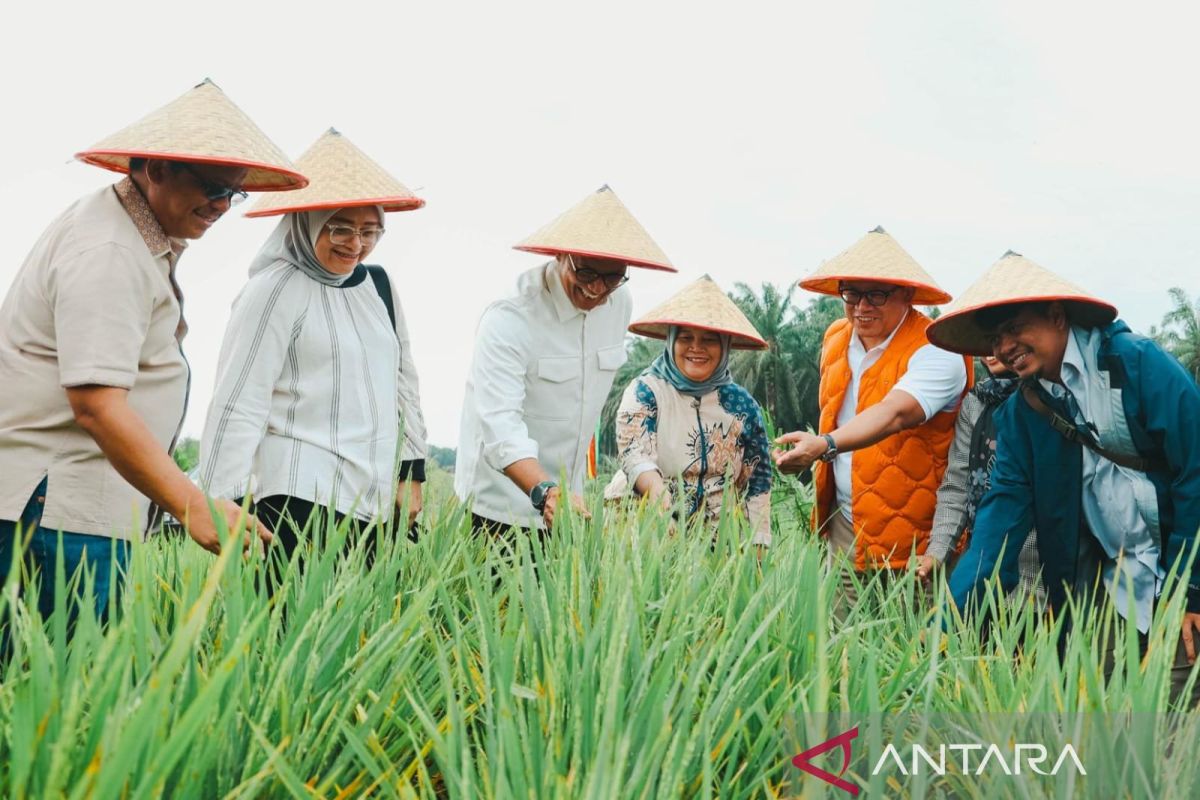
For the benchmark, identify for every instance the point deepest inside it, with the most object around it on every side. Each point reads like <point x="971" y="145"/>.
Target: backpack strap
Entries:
<point x="383" y="286"/>
<point x="1072" y="434"/>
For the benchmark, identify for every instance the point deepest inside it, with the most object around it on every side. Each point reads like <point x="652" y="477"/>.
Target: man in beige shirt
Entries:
<point x="95" y="379"/>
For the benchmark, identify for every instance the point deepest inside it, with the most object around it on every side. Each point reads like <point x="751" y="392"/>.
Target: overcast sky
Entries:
<point x="752" y="140"/>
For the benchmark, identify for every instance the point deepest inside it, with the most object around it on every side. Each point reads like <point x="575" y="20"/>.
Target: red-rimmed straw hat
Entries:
<point x="1013" y="279"/>
<point x="203" y="127"/>
<point x="876" y="257"/>
<point x="701" y="304"/>
<point x="340" y="176"/>
<point x="599" y="226"/>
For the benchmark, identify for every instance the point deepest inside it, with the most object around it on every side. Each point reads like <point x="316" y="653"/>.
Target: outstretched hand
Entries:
<point x="806" y="449"/>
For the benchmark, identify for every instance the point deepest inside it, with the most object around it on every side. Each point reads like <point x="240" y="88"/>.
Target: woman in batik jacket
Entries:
<point x="685" y="431"/>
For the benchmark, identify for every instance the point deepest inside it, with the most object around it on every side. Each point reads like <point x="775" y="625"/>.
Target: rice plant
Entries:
<point x="630" y="656"/>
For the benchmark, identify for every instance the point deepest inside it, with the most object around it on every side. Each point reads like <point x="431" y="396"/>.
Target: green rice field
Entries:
<point x="636" y="660"/>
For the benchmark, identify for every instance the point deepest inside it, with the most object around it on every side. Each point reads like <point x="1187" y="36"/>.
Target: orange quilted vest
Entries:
<point x="893" y="484"/>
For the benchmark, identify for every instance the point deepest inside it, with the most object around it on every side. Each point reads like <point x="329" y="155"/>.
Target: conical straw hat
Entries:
<point x="599" y="226"/>
<point x="1012" y="279"/>
<point x="701" y="304"/>
<point x="340" y="176"/>
<point x="876" y="257"/>
<point x="203" y="126"/>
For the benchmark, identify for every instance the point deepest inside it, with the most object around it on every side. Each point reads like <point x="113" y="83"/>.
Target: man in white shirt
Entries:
<point x="544" y="362"/>
<point x="888" y="404"/>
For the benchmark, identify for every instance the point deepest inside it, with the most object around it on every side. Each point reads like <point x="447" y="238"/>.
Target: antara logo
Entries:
<point x="1020" y="759"/>
<point x="804" y="760"/>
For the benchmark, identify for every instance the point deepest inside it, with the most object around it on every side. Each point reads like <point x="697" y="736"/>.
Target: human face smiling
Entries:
<point x="343" y="256"/>
<point x="1032" y="342"/>
<point x="874" y="324"/>
<point x="176" y="193"/>
<point x="591" y="294"/>
<point x="697" y="353"/>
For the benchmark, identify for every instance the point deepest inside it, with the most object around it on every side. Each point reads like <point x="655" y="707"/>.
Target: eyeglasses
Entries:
<point x="588" y="276"/>
<point x="215" y="192"/>
<point x="875" y="297"/>
<point x="345" y="234"/>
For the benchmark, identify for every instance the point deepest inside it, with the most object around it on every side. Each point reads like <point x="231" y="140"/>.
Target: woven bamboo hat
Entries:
<point x="1012" y="279"/>
<point x="203" y="126"/>
<point x="876" y="257"/>
<point x="701" y="304"/>
<point x="602" y="227"/>
<point x="340" y="176"/>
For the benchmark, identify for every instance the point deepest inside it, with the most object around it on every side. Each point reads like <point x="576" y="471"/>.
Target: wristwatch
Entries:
<point x="539" y="493"/>
<point x="831" y="453"/>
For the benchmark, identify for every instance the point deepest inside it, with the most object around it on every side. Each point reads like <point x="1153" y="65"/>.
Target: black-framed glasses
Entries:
<point x="345" y="234"/>
<point x="215" y="192"/>
<point x="588" y="276"/>
<point x="875" y="297"/>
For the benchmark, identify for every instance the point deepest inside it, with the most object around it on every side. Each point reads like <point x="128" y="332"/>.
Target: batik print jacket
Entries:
<point x="701" y="446"/>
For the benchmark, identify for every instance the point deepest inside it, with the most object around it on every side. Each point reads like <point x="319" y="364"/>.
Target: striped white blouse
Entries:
<point x="314" y="390"/>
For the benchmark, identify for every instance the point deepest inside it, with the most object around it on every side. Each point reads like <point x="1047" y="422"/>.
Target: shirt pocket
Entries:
<point x="611" y="358"/>
<point x="554" y="391"/>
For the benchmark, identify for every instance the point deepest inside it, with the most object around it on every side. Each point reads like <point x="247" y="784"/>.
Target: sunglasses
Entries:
<point x="214" y="192"/>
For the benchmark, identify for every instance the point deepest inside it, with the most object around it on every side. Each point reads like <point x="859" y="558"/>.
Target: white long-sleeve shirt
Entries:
<point x="313" y="389"/>
<point x="540" y="375"/>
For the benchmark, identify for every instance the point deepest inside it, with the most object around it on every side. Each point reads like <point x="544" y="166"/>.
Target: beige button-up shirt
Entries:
<point x="95" y="303"/>
<point x="541" y="373"/>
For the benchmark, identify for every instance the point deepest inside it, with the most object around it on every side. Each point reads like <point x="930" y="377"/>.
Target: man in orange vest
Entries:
<point x="888" y="404"/>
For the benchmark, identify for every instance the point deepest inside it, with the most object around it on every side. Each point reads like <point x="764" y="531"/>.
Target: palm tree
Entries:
<point x="811" y="324"/>
<point x="785" y="378"/>
<point x="1181" y="331"/>
<point x="769" y="375"/>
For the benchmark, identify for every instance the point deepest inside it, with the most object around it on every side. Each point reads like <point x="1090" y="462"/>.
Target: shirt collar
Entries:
<point x="857" y="342"/>
<point x="135" y="205"/>
<point x="1073" y="366"/>
<point x="558" y="295"/>
<point x="1073" y="356"/>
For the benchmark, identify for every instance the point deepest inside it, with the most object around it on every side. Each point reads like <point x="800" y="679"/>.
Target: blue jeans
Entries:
<point x="105" y="559"/>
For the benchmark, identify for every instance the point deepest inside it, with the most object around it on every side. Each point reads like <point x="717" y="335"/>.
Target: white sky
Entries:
<point x="753" y="140"/>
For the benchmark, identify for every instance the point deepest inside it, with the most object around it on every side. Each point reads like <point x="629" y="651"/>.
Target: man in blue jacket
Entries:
<point x="1099" y="450"/>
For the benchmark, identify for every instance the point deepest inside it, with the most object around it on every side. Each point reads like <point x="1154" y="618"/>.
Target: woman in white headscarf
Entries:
<point x="316" y="404"/>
